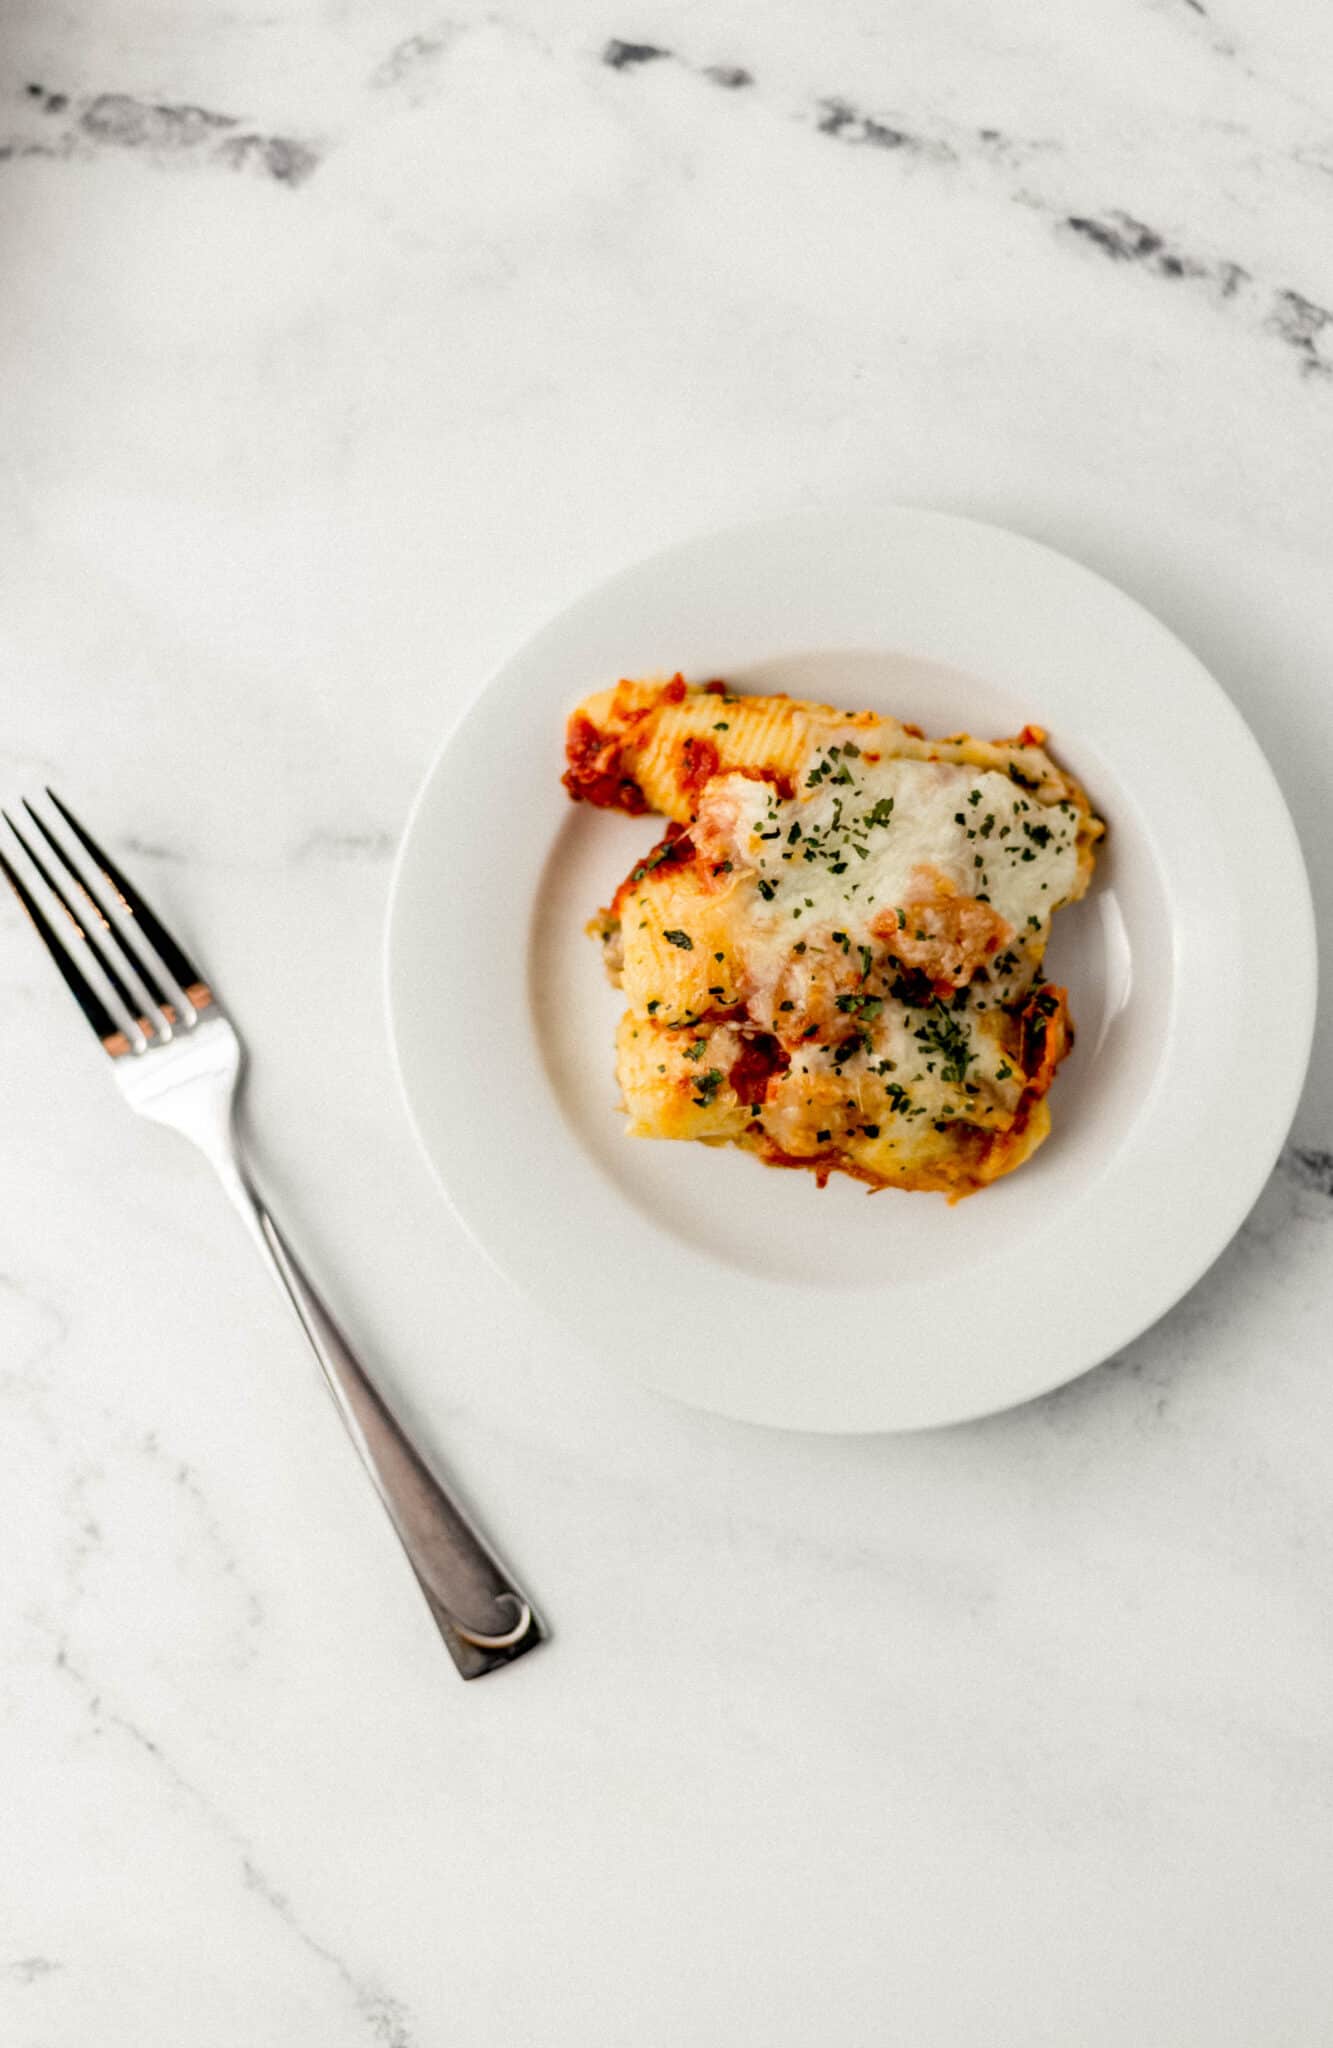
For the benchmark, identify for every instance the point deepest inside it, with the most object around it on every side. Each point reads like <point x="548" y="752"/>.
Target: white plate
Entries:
<point x="1191" y="970"/>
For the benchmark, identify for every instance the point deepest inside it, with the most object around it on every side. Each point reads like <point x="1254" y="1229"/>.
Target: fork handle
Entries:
<point x="483" y="1617"/>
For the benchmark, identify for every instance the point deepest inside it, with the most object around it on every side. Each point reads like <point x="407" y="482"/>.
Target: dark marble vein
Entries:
<point x="625" y="56"/>
<point x="162" y="131"/>
<point x="1127" y="240"/>
<point x="120" y="122"/>
<point x="387" y="2021"/>
<point x="184" y="1477"/>
<point x="1298" y="321"/>
<point x="386" y="2017"/>
<point x="279" y="156"/>
<point x="846" y="123"/>
<point x="49" y="102"/>
<point x="731" y="77"/>
<point x="12" y="151"/>
<point x="413" y="54"/>
<point x="28" y="1969"/>
<point x="1303" y="325"/>
<point x="149" y="849"/>
<point x="1309" y="1168"/>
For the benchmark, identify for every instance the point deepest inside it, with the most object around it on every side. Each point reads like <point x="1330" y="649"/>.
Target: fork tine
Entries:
<point x="173" y="957"/>
<point x="87" y="931"/>
<point x="144" y="970"/>
<point x="94" y="1009"/>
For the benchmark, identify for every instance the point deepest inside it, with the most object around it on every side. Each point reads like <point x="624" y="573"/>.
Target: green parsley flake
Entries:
<point x="943" y="1034"/>
<point x="654" y="860"/>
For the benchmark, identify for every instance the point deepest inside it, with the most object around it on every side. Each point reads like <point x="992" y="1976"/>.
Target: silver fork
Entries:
<point x="177" y="1059"/>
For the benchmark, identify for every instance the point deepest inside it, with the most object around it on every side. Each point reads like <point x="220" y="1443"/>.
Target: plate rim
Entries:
<point x="1300" y="912"/>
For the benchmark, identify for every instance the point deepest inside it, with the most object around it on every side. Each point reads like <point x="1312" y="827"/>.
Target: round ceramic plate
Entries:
<point x="706" y="1274"/>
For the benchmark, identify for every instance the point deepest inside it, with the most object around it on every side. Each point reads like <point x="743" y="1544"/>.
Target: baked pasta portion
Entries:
<point x="832" y="956"/>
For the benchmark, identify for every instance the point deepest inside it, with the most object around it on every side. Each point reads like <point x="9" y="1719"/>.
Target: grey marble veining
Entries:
<point x="341" y="345"/>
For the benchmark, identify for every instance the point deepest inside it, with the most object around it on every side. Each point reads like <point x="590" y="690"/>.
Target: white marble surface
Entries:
<point x="341" y="343"/>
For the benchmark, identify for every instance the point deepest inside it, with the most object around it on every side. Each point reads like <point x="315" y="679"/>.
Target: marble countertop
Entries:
<point x="341" y="344"/>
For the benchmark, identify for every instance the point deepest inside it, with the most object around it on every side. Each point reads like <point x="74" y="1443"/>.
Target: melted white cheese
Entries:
<point x="854" y="857"/>
<point x="857" y="843"/>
